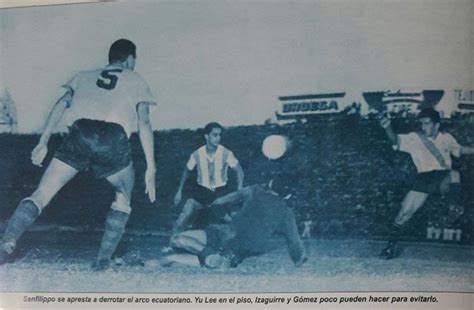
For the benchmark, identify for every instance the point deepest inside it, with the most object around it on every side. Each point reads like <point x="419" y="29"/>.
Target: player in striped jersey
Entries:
<point x="212" y="162"/>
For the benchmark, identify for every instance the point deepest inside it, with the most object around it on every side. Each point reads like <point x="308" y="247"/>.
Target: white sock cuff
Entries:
<point x="38" y="205"/>
<point x="121" y="207"/>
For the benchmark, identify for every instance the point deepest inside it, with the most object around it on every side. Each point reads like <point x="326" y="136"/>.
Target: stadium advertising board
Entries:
<point x="402" y="102"/>
<point x="305" y="105"/>
<point x="395" y="102"/>
<point x="464" y="100"/>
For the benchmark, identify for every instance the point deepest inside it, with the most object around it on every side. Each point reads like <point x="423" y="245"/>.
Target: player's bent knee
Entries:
<point x="403" y="218"/>
<point x="189" y="208"/>
<point x="193" y="203"/>
<point x="400" y="219"/>
<point x="186" y="210"/>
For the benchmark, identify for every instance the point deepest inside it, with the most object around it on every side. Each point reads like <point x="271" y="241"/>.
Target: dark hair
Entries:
<point x="431" y="114"/>
<point x="209" y="127"/>
<point x="121" y="49"/>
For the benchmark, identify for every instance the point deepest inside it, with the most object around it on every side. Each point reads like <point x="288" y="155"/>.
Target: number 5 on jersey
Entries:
<point x="108" y="79"/>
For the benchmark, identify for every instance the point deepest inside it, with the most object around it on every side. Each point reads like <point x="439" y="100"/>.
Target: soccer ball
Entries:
<point x="274" y="146"/>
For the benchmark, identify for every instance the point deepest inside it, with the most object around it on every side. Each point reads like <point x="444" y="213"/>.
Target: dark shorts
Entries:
<point x="96" y="146"/>
<point x="218" y="235"/>
<point x="430" y="182"/>
<point x="205" y="196"/>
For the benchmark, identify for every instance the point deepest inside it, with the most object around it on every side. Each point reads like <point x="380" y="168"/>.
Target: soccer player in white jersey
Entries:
<point x="431" y="152"/>
<point x="211" y="161"/>
<point x="104" y="106"/>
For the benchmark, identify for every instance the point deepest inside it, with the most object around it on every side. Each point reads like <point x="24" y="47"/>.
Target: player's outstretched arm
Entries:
<point x="39" y="152"/>
<point x="467" y="150"/>
<point x="237" y="196"/>
<point x="146" y="138"/>
<point x="240" y="176"/>
<point x="387" y="125"/>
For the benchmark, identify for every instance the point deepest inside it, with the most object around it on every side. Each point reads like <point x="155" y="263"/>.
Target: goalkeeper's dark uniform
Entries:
<point x="263" y="214"/>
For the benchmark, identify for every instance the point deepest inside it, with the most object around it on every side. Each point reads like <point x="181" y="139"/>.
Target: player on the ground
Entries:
<point x="211" y="161"/>
<point x="104" y="106"/>
<point x="263" y="214"/>
<point x="431" y="152"/>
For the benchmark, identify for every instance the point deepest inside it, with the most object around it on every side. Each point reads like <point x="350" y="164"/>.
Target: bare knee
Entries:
<point x="39" y="198"/>
<point x="123" y="181"/>
<point x="412" y="202"/>
<point x="190" y="206"/>
<point x="403" y="217"/>
<point x="405" y="214"/>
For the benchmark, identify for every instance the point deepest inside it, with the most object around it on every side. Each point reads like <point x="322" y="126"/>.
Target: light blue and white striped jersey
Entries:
<point x="212" y="170"/>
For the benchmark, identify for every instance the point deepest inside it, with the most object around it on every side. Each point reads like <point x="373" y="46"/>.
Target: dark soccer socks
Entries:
<point x="456" y="204"/>
<point x="114" y="229"/>
<point x="24" y="216"/>
<point x="394" y="232"/>
<point x="100" y="264"/>
<point x="389" y="251"/>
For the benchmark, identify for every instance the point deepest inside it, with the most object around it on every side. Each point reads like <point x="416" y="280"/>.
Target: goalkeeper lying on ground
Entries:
<point x="263" y="213"/>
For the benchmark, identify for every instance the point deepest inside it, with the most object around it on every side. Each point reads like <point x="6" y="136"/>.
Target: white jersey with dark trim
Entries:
<point x="212" y="170"/>
<point x="108" y="94"/>
<point x="423" y="158"/>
